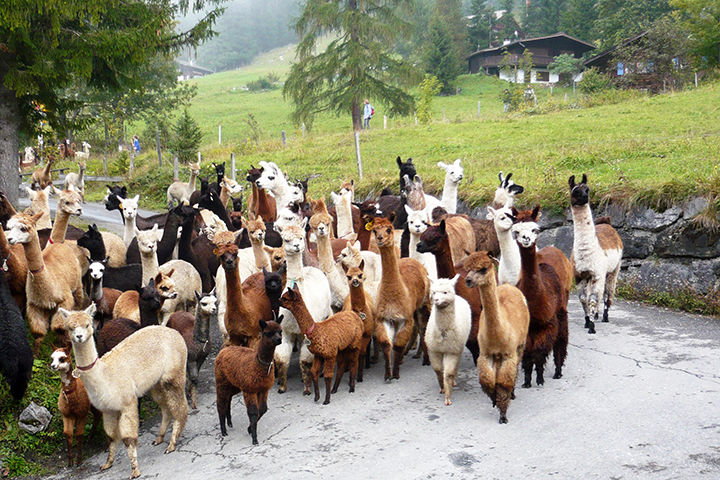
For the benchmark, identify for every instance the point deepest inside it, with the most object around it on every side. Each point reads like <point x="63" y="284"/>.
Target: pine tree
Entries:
<point x="186" y="138"/>
<point x="357" y="64"/>
<point x="578" y="19"/>
<point x="441" y="60"/>
<point x="543" y="17"/>
<point x="451" y="14"/>
<point x="618" y="20"/>
<point x="480" y="28"/>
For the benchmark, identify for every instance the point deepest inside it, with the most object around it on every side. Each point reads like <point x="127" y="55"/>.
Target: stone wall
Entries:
<point x="664" y="251"/>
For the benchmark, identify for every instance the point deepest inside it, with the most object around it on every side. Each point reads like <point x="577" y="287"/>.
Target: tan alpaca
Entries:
<point x="229" y="188"/>
<point x="402" y="294"/>
<point x="41" y="176"/>
<point x="352" y="255"/>
<point x="361" y="302"/>
<point x="462" y="237"/>
<point x="321" y="224"/>
<point x="40" y="202"/>
<point x="127" y="306"/>
<point x="69" y="203"/>
<point x="77" y="180"/>
<point x="502" y="331"/>
<point x="54" y="276"/>
<point x="152" y="359"/>
<point x="115" y="249"/>
<point x="180" y="191"/>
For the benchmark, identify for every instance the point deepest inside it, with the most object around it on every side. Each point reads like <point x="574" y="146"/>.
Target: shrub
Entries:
<point x="429" y="87"/>
<point x="268" y="82"/>
<point x="594" y="81"/>
<point x="513" y="96"/>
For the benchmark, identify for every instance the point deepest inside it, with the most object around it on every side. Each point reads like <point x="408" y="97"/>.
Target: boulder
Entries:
<point x="34" y="418"/>
<point x="637" y="243"/>
<point x="700" y="276"/>
<point x="649" y="219"/>
<point x="688" y="240"/>
<point x="561" y="237"/>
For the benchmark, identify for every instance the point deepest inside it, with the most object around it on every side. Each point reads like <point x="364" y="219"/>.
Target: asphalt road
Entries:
<point x="641" y="399"/>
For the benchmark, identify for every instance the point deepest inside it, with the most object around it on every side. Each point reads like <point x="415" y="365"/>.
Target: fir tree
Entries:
<point x="186" y="139"/>
<point x="441" y="60"/>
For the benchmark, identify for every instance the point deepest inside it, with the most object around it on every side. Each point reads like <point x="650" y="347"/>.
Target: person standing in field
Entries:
<point x="136" y="144"/>
<point x="368" y="112"/>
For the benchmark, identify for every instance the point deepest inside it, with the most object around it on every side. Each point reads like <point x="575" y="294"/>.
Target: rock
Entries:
<point x="561" y="237"/>
<point x="550" y="220"/>
<point x="649" y="219"/>
<point x="616" y="214"/>
<point x="637" y="243"/>
<point x="699" y="276"/>
<point x="34" y="418"/>
<point x="688" y="240"/>
<point x="694" y="206"/>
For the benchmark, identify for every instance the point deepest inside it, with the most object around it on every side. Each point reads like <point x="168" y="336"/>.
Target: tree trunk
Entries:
<point x="9" y="144"/>
<point x="356" y="116"/>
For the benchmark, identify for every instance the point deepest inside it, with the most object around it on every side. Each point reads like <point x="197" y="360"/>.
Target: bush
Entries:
<point x="513" y="96"/>
<point x="268" y="82"/>
<point x="594" y="81"/>
<point x="121" y="164"/>
<point x="429" y="87"/>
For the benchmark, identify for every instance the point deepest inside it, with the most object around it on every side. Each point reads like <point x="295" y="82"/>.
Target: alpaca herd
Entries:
<point x="340" y="286"/>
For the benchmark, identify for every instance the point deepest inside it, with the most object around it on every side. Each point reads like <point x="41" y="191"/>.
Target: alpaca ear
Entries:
<point x="356" y="245"/>
<point x="267" y="249"/>
<point x="491" y="213"/>
<point x="457" y="162"/>
<point x="170" y="273"/>
<point x="259" y="219"/>
<point x="65" y="313"/>
<point x="137" y="230"/>
<point x="362" y="264"/>
<point x="442" y="226"/>
<point x="442" y="165"/>
<point x="408" y="210"/>
<point x="303" y="224"/>
<point x="455" y="279"/>
<point x="263" y="324"/>
<point x="399" y="162"/>
<point x="90" y="310"/>
<point x="136" y="198"/>
<point x="584" y="178"/>
<point x="536" y="213"/>
<point x="279" y="319"/>
<point x="417" y="180"/>
<point x="36" y="217"/>
<point x="197" y="296"/>
<point x="571" y="181"/>
<point x="344" y="267"/>
<point x="516" y="189"/>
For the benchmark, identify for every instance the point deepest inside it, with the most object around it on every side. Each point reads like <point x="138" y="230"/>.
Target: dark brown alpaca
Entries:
<point x="360" y="302"/>
<point x="435" y="240"/>
<point x="12" y="259"/>
<point x="250" y="371"/>
<point x="485" y="234"/>
<point x="547" y="300"/>
<point x="402" y="295"/>
<point x="260" y="202"/>
<point x="336" y="339"/>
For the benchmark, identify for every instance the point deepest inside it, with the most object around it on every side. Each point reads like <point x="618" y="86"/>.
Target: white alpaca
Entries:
<point x="418" y="221"/>
<point x="453" y="176"/>
<point x="29" y="155"/>
<point x="321" y="224"/>
<point x="273" y="180"/>
<point x="180" y="191"/>
<point x="153" y="359"/>
<point x="509" y="267"/>
<point x="315" y="290"/>
<point x="351" y="256"/>
<point x="76" y="180"/>
<point x="85" y="154"/>
<point x="129" y="208"/>
<point x="506" y="192"/>
<point x="286" y="218"/>
<point x="343" y="207"/>
<point x="446" y="333"/>
<point x="40" y="202"/>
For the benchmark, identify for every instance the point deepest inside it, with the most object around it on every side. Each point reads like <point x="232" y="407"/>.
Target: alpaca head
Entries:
<point x="503" y="218"/>
<point x="442" y="291"/>
<point x="480" y="267"/>
<point x="355" y="275"/>
<point x="129" y="206"/>
<point x="232" y="187"/>
<point x="256" y="229"/>
<point x="194" y="167"/>
<point x="294" y="239"/>
<point x="90" y="238"/>
<point x="253" y="174"/>
<point x="453" y="171"/>
<point x="61" y="360"/>
<point x="415" y="193"/>
<point x="207" y="303"/>
<point x="350" y="255"/>
<point x="219" y="169"/>
<point x="274" y="281"/>
<point x="86" y="147"/>
<point x="321" y="222"/>
<point x="506" y="191"/>
<point x="147" y="240"/>
<point x="272" y="331"/>
<point x="21" y="228"/>
<point x="347" y="187"/>
<point x="227" y="253"/>
<point x="70" y="201"/>
<point x="96" y="270"/>
<point x="39" y="196"/>
<point x="291" y="296"/>
<point x="296" y="194"/>
<point x="236" y="219"/>
<point x="579" y="192"/>
<point x="150" y="297"/>
<point x="111" y="199"/>
<point x="406" y="168"/>
<point x="368" y="208"/>
<point x="384" y="232"/>
<point x="164" y="285"/>
<point x="79" y="323"/>
<point x="345" y="196"/>
<point x="526" y="233"/>
<point x="270" y="177"/>
<point x="236" y="204"/>
<point x="277" y="257"/>
<point x="431" y="240"/>
<point x="286" y="217"/>
<point x="417" y="220"/>
<point x="82" y="164"/>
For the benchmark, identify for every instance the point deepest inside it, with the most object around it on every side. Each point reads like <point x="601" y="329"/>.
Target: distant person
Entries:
<point x="136" y="144"/>
<point x="368" y="112"/>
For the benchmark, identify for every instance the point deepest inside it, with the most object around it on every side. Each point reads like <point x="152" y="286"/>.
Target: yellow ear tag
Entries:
<point x="120" y="205"/>
<point x="368" y="226"/>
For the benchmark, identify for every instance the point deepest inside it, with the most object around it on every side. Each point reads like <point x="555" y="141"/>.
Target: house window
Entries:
<point x="542" y="76"/>
<point x="620" y="69"/>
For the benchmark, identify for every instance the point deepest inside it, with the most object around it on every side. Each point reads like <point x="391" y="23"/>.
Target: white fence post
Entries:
<point x="176" y="168"/>
<point x="384" y="122"/>
<point x="357" y="155"/>
<point x="232" y="165"/>
<point x="219" y="134"/>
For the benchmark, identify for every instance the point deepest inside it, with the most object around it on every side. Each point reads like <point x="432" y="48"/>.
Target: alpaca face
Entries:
<point x="430" y="240"/>
<point x="19" y="230"/>
<point x="442" y="291"/>
<point x="506" y="191"/>
<point x="480" y="269"/>
<point x="293" y="240"/>
<point x="79" y="324"/>
<point x="580" y="192"/>
<point x="253" y="174"/>
<point x="320" y="223"/>
<point x="165" y="285"/>
<point x="270" y="176"/>
<point x="233" y="187"/>
<point x="256" y="230"/>
<point x="129" y="206"/>
<point x="60" y="360"/>
<point x="229" y="259"/>
<point x="272" y="331"/>
<point x="406" y="168"/>
<point x="273" y="282"/>
<point x="208" y="304"/>
<point x="277" y="258"/>
<point x="417" y="220"/>
<point x="147" y="240"/>
<point x="454" y="171"/>
<point x="194" y="168"/>
<point x="350" y="255"/>
<point x="384" y="232"/>
<point x="96" y="270"/>
<point x="355" y="276"/>
<point x="526" y="233"/>
<point x="286" y="218"/>
<point x="70" y="202"/>
<point x="151" y="298"/>
<point x="111" y="199"/>
<point x="503" y="218"/>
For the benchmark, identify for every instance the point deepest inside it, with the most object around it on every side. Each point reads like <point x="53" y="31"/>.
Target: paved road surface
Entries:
<point x="641" y="399"/>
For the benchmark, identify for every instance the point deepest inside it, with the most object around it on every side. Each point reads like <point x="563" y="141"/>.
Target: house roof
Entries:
<point x="602" y="55"/>
<point x="191" y="66"/>
<point x="523" y="41"/>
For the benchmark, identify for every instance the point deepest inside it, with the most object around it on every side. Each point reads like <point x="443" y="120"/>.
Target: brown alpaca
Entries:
<point x="502" y="332"/>
<point x="435" y="240"/>
<point x="461" y="236"/>
<point x="361" y="302"/>
<point x="260" y="202"/>
<point x="336" y="339"/>
<point x="73" y="404"/>
<point x="54" y="278"/>
<point x="547" y="302"/>
<point x="485" y="235"/>
<point x="250" y="371"/>
<point x="246" y="303"/>
<point x="41" y="177"/>
<point x="13" y="260"/>
<point x="402" y="294"/>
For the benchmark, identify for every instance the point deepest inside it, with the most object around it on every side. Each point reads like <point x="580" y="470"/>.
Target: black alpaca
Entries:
<point x="16" y="358"/>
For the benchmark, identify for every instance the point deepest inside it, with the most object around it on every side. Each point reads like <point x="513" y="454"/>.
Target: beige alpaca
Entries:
<point x="351" y="256"/>
<point x="40" y="202"/>
<point x="229" y="188"/>
<point x="152" y="359"/>
<point x="69" y="203"/>
<point x="41" y="176"/>
<point x="321" y="224"/>
<point x="502" y="331"/>
<point x="77" y="180"/>
<point x="343" y="207"/>
<point x="54" y="276"/>
<point x="180" y="191"/>
<point x="115" y="249"/>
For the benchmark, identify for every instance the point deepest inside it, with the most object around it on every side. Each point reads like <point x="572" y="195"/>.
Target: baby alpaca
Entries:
<point x="446" y="333"/>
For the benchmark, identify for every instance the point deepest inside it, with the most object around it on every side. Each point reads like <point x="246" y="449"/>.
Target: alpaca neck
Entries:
<point x="224" y="196"/>
<point x="185" y="251"/>
<point x="201" y="331"/>
<point x="509" y="269"/>
<point x="364" y="238"/>
<point x="150" y="266"/>
<point x="294" y="266"/>
<point x="412" y="246"/>
<point x="59" y="230"/>
<point x="443" y="260"/>
<point x="34" y="257"/>
<point x="357" y="298"/>
<point x="493" y="324"/>
<point x="390" y="268"/>
<point x="302" y="315"/>
<point x="42" y="205"/>
<point x="325" y="256"/>
<point x="445" y="316"/>
<point x="583" y="228"/>
<point x="529" y="264"/>
<point x="280" y="191"/>
<point x="48" y="167"/>
<point x="4" y="245"/>
<point x="263" y="205"/>
<point x="81" y="176"/>
<point x="261" y="258"/>
<point x="166" y="245"/>
<point x="449" y="195"/>
<point x="148" y="316"/>
<point x="67" y="380"/>
<point x="85" y="354"/>
<point x="344" y="217"/>
<point x="235" y="298"/>
<point x="266" y="351"/>
<point x="96" y="289"/>
<point x="191" y="182"/>
<point x="129" y="230"/>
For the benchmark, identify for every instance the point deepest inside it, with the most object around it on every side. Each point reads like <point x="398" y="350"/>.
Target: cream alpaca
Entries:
<point x="40" y="202"/>
<point x="180" y="191"/>
<point x="453" y="176"/>
<point x="417" y="222"/>
<point x="343" y="207"/>
<point x="509" y="267"/>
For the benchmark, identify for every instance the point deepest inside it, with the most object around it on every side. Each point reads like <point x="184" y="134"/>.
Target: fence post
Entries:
<point x="176" y="173"/>
<point x="157" y="146"/>
<point x="199" y="158"/>
<point x="220" y="134"/>
<point x="132" y="162"/>
<point x="302" y="127"/>
<point x="566" y="98"/>
<point x="384" y="122"/>
<point x="283" y="137"/>
<point x="416" y="120"/>
<point x="696" y="79"/>
<point x="478" y="113"/>
<point x="444" y="117"/>
<point x="357" y="155"/>
<point x="232" y="165"/>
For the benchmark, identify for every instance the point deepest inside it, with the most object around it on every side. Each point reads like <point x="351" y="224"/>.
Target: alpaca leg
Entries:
<point x="609" y="294"/>
<point x="582" y="288"/>
<point x="422" y="316"/>
<point x="178" y="407"/>
<point x="597" y="288"/>
<point x="306" y="361"/>
<point x="68" y="431"/>
<point x="262" y="403"/>
<point x="354" y="359"/>
<point x="223" y="396"/>
<point x="79" y="434"/>
<point x="436" y="361"/>
<point x="38" y="324"/>
<point x="375" y="354"/>
<point x="283" y="352"/>
<point x="505" y="386"/>
<point x="450" y="367"/>
<point x="561" y="343"/>
<point x="382" y="339"/>
<point x="159" y="396"/>
<point x="540" y="369"/>
<point x="328" y="370"/>
<point x="486" y="375"/>
<point x="342" y="366"/>
<point x="527" y="366"/>
<point x="363" y="357"/>
<point x="110" y="425"/>
<point x="193" y="372"/>
<point x="502" y="398"/>
<point x="128" y="429"/>
<point x="315" y="373"/>
<point x="401" y="340"/>
<point x="253" y="413"/>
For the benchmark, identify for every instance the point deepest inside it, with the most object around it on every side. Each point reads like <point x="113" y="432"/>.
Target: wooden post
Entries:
<point x="302" y="127"/>
<point x="478" y="114"/>
<point x="132" y="162"/>
<point x="199" y="158"/>
<point x="357" y="155"/>
<point x="696" y="79"/>
<point x="384" y="122"/>
<point x="551" y="89"/>
<point x="157" y="145"/>
<point x="176" y="167"/>
<point x="283" y="137"/>
<point x="232" y="165"/>
<point x="566" y="98"/>
<point x="219" y="134"/>
<point x="416" y="120"/>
